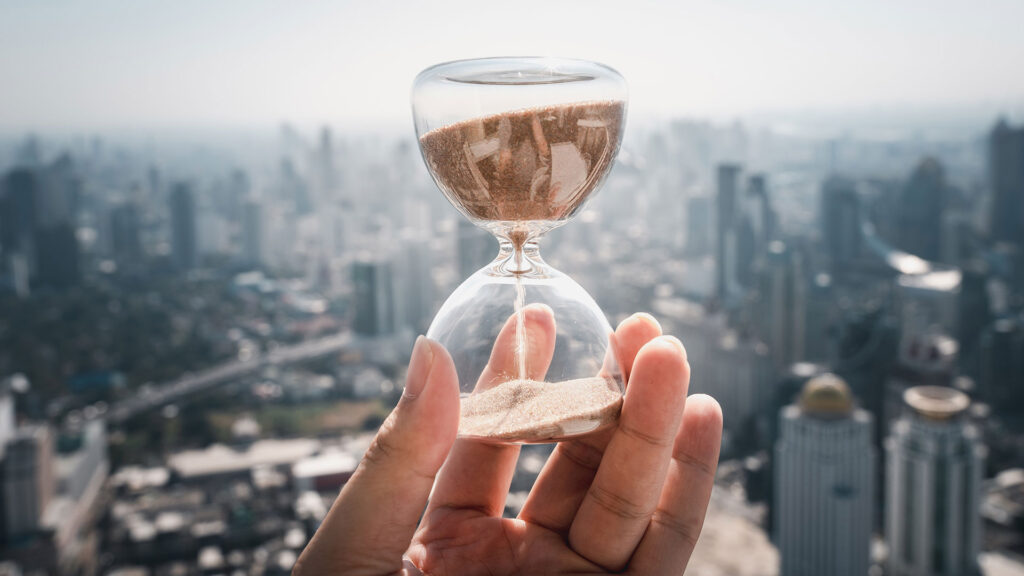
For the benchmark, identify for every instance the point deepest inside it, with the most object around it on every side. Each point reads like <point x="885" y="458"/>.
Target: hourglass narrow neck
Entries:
<point x="522" y="260"/>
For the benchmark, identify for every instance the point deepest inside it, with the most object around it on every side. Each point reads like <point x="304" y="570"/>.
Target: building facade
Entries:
<point x="374" y="298"/>
<point x="824" y="485"/>
<point x="933" y="487"/>
<point x="1006" y="178"/>
<point x="184" y="242"/>
<point x="841" y="221"/>
<point x="725" y="231"/>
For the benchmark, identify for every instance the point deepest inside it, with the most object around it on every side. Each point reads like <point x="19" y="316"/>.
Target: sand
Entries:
<point x="530" y="411"/>
<point x="526" y="165"/>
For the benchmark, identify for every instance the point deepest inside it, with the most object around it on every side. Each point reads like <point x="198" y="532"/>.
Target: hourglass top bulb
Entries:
<point x="531" y="165"/>
<point x="535" y="164"/>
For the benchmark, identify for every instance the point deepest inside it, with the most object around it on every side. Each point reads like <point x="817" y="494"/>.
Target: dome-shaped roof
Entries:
<point x="826" y="395"/>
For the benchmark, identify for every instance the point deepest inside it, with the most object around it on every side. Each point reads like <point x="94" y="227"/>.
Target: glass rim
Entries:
<point x="559" y="71"/>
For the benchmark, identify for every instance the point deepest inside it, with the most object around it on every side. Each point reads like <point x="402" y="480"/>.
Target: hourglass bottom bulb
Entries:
<point x="536" y="359"/>
<point x="530" y="411"/>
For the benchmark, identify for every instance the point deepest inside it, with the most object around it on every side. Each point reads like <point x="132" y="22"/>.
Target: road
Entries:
<point x="159" y="395"/>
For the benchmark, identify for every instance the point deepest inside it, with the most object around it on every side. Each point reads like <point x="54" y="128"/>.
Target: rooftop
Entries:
<point x="221" y="459"/>
<point x="936" y="403"/>
<point x="826" y="395"/>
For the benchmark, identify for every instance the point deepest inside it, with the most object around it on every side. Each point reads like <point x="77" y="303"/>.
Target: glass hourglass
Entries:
<point x="518" y="145"/>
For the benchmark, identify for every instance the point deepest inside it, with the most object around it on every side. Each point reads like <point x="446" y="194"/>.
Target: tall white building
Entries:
<point x="824" y="485"/>
<point x="933" y="486"/>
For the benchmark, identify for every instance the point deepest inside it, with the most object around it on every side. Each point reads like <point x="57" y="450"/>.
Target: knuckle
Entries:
<point x="382" y="447"/>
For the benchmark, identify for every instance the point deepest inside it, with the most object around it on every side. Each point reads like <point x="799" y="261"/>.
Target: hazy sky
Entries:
<point x="122" y="63"/>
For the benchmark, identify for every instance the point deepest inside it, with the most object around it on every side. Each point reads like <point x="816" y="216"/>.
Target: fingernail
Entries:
<point x="645" y="317"/>
<point x="672" y="341"/>
<point x="419" y="368"/>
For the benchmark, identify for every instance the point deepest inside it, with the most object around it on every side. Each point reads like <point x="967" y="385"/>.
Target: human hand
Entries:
<point x="630" y="499"/>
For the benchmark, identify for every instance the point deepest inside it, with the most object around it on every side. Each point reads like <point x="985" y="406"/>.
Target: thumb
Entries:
<point x="371" y="523"/>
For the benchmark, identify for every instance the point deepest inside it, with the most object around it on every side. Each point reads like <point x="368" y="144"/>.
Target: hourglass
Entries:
<point x="518" y="145"/>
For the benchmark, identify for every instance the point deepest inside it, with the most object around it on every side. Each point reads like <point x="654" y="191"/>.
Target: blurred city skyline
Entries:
<point x="114" y="65"/>
<point x="218" y="242"/>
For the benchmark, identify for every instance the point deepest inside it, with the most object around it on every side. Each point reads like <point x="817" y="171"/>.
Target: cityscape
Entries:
<point x="195" y="358"/>
<point x="202" y="326"/>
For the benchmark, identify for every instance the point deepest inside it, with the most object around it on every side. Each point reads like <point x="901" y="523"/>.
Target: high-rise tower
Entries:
<point x="824" y="485"/>
<point x="725" y="232"/>
<point x="933" y="486"/>
<point x="183" y="227"/>
<point x="1006" y="177"/>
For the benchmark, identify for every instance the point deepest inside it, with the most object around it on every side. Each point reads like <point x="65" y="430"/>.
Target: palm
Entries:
<point x="468" y="542"/>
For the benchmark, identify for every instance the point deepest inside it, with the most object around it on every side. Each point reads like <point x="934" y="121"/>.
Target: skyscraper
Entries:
<point x="781" y="317"/>
<point x="921" y="209"/>
<point x="252" y="233"/>
<point x="725" y="233"/>
<point x="184" y="247"/>
<point x="840" y="221"/>
<point x="824" y="485"/>
<point x="1001" y="363"/>
<point x="769" y="219"/>
<point x="38" y="224"/>
<point x="374" y="298"/>
<point x="18" y="197"/>
<point x="762" y="215"/>
<point x="126" y="243"/>
<point x="57" y="254"/>
<point x="413" y="283"/>
<point x="326" y="176"/>
<point x="1006" y="178"/>
<point x="55" y="238"/>
<point x="933" y="487"/>
<point x="698" y="226"/>
<point x="233" y="199"/>
<point x="747" y="252"/>
<point x="28" y="481"/>
<point x="973" y="312"/>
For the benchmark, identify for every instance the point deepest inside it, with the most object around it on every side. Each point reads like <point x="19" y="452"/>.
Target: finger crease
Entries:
<point x="686" y="531"/>
<point x="617" y="505"/>
<point x="637" y="434"/>
<point x="481" y="509"/>
<point x="381" y="450"/>
<point x="691" y="462"/>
